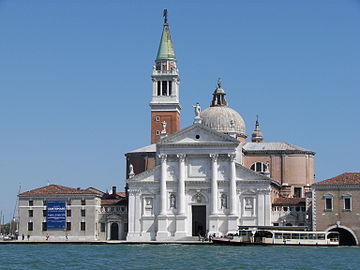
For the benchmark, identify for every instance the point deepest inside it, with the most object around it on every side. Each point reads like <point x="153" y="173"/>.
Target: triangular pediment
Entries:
<point x="198" y="134"/>
<point x="147" y="176"/>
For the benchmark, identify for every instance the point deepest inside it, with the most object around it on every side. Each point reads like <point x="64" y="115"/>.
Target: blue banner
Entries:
<point x="56" y="215"/>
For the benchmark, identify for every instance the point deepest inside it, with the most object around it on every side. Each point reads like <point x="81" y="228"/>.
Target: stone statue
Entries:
<point x="197" y="109"/>
<point x="248" y="203"/>
<point x="197" y="118"/>
<point x="131" y="171"/>
<point x="223" y="201"/>
<point x="219" y="82"/>
<point x="172" y="201"/>
<point x="164" y="127"/>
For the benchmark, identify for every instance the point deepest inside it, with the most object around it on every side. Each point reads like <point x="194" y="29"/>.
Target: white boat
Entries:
<point x="279" y="237"/>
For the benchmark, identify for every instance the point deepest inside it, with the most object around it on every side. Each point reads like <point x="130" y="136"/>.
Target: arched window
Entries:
<point x="259" y="167"/>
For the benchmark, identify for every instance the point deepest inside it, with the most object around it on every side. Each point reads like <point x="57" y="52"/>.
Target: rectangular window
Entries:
<point x="102" y="228"/>
<point x="287" y="235"/>
<point x="44" y="226"/>
<point x="44" y="202"/>
<point x="328" y="204"/>
<point x="83" y="212"/>
<point x="83" y="202"/>
<point x="164" y="88"/>
<point x="31" y="203"/>
<point x="82" y="226"/>
<point x="297" y="192"/>
<point x="44" y="213"/>
<point x="68" y="226"/>
<point x="31" y="213"/>
<point x="30" y="226"/>
<point x="347" y="203"/>
<point x="68" y="202"/>
<point x="170" y="87"/>
<point x="158" y="88"/>
<point x="258" y="167"/>
<point x="68" y="213"/>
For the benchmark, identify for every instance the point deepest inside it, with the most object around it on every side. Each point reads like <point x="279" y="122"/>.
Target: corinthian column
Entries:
<point x="181" y="187"/>
<point x="232" y="185"/>
<point x="163" y="185"/>
<point x="214" y="187"/>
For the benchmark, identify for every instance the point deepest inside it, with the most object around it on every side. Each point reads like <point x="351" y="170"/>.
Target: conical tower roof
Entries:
<point x="166" y="49"/>
<point x="257" y="135"/>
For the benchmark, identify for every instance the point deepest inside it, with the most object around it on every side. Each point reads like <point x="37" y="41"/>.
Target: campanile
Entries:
<point x="165" y="104"/>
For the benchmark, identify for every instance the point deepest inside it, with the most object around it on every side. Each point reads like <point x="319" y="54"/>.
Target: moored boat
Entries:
<point x="279" y="237"/>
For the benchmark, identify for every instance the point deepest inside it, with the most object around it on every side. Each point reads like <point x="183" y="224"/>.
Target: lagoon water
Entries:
<point x="175" y="257"/>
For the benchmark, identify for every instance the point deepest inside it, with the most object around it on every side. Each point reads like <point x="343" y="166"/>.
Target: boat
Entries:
<point x="273" y="236"/>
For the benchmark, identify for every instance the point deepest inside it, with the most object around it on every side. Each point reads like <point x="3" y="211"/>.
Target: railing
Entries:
<point x="165" y="72"/>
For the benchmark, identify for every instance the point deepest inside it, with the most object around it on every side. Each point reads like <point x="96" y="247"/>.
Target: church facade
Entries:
<point x="206" y="178"/>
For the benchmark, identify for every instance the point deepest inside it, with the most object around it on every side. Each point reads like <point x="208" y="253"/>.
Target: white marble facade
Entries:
<point x="198" y="186"/>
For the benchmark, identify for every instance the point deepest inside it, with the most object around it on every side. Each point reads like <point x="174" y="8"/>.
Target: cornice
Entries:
<point x="335" y="187"/>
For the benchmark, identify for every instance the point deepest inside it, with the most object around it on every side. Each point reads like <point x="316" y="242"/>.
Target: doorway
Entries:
<point x="198" y="220"/>
<point x="114" y="231"/>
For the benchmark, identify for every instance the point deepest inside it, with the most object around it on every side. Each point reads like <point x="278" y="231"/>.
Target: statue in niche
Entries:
<point x="148" y="203"/>
<point x="172" y="201"/>
<point x="164" y="124"/>
<point x="223" y="201"/>
<point x="248" y="203"/>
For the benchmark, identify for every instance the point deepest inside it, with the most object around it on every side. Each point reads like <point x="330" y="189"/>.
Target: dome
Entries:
<point x="223" y="119"/>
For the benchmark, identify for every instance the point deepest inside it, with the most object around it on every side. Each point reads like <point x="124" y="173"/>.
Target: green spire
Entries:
<point x="166" y="50"/>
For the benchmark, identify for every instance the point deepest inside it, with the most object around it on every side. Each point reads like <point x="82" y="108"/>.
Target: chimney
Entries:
<point x="114" y="190"/>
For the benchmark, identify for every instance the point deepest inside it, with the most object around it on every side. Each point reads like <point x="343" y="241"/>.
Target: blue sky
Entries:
<point x="75" y="81"/>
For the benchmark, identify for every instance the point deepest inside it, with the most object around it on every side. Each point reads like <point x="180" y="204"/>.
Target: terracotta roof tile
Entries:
<point x="121" y="194"/>
<point x="112" y="201"/>
<point x="57" y="189"/>
<point x="288" y="201"/>
<point x="342" y="179"/>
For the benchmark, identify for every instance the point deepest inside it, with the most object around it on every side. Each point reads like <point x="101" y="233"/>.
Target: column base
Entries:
<point x="135" y="237"/>
<point x="162" y="233"/>
<point x="180" y="227"/>
<point x="214" y="225"/>
<point x="232" y="224"/>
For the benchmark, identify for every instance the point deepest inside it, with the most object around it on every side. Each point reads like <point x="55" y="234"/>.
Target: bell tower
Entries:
<point x="165" y="104"/>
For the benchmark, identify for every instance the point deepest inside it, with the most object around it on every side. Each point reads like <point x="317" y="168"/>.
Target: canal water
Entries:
<point x="175" y="257"/>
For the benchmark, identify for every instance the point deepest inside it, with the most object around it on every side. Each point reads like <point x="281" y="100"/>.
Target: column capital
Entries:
<point x="214" y="157"/>
<point x="232" y="156"/>
<point x="163" y="157"/>
<point x="181" y="157"/>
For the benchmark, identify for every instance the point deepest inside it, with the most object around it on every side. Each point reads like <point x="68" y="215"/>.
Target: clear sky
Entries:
<point x="75" y="81"/>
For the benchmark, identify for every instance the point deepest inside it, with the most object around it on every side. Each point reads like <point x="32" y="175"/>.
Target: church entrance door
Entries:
<point x="198" y="220"/>
<point x="114" y="231"/>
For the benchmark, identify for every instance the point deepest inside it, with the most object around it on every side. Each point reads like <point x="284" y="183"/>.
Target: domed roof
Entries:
<point x="224" y="119"/>
<point x="221" y="117"/>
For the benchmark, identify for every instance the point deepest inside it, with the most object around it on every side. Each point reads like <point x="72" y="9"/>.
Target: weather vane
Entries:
<point x="165" y="14"/>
